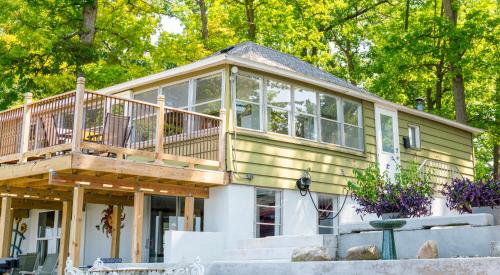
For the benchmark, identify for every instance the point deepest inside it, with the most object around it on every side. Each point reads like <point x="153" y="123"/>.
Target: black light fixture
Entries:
<point x="304" y="182"/>
<point x="419" y="101"/>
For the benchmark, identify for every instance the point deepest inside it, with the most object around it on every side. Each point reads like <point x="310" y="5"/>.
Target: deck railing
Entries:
<point x="88" y="122"/>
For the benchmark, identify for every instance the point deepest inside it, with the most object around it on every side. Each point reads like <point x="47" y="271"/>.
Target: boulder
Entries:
<point x="364" y="252"/>
<point x="428" y="250"/>
<point x="309" y="254"/>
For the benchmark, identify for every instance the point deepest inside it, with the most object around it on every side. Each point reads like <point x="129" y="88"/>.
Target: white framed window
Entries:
<point x="278" y="101"/>
<point x="414" y="136"/>
<point x="274" y="106"/>
<point x="267" y="212"/>
<point x="48" y="233"/>
<point x="150" y="96"/>
<point x="328" y="208"/>
<point x="248" y="101"/>
<point x="177" y="95"/>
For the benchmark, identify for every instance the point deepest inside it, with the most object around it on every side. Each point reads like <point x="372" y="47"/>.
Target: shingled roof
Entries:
<point x="268" y="56"/>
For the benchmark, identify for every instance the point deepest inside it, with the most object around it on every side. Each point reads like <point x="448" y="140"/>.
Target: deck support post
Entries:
<point x="25" y="129"/>
<point x="222" y="141"/>
<point x="75" y="234"/>
<point x="138" y="224"/>
<point x="6" y="226"/>
<point x="64" y="241"/>
<point x="78" y="119"/>
<point x="188" y="213"/>
<point x="115" y="231"/>
<point x="160" y="121"/>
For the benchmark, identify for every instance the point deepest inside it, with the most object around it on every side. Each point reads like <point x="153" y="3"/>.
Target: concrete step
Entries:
<point x="259" y="254"/>
<point x="282" y="242"/>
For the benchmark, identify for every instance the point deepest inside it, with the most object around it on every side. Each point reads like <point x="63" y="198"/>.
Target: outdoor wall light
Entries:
<point x="304" y="182"/>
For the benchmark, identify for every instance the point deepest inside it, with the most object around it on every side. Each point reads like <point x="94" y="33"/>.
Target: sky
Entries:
<point x="167" y="24"/>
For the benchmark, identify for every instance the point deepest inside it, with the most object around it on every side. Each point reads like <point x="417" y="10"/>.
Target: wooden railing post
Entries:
<point x="137" y="229"/>
<point x="25" y="130"/>
<point x="5" y="226"/>
<point x="78" y="122"/>
<point x="222" y="141"/>
<point x="160" y="121"/>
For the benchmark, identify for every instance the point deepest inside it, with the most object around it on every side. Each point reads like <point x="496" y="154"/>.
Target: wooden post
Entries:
<point x="137" y="230"/>
<point x="115" y="232"/>
<point x="64" y="241"/>
<point x="78" y="119"/>
<point x="222" y="141"/>
<point x="188" y="213"/>
<point x="75" y="233"/>
<point x="160" y="121"/>
<point x="5" y="226"/>
<point x="25" y="130"/>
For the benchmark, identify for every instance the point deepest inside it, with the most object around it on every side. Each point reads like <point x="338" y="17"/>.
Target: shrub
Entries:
<point x="463" y="194"/>
<point x="410" y="194"/>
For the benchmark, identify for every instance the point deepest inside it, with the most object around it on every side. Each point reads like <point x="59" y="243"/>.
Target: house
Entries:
<point x="239" y="128"/>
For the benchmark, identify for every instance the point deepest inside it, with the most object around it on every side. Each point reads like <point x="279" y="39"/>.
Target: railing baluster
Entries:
<point x="25" y="132"/>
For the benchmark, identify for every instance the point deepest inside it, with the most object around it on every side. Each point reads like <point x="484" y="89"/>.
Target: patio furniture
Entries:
<point x="47" y="133"/>
<point x="116" y="131"/>
<point x="48" y="267"/>
<point x="388" y="245"/>
<point x="27" y="262"/>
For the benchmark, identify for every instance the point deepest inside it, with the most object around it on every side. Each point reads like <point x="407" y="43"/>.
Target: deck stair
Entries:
<point x="278" y="248"/>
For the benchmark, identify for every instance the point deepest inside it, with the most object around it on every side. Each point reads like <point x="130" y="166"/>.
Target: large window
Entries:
<point x="48" y="233"/>
<point x="327" y="206"/>
<point x="202" y="94"/>
<point x="268" y="213"/>
<point x="296" y="111"/>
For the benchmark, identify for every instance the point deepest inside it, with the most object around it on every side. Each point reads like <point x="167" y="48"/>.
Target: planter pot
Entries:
<point x="392" y="215"/>
<point x="488" y="210"/>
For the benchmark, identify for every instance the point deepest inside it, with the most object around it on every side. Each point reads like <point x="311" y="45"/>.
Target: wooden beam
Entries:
<point x="78" y="118"/>
<point x="95" y="163"/>
<point x="188" y="213"/>
<point x="76" y="225"/>
<point x="25" y="130"/>
<point x="137" y="230"/>
<point x="64" y="240"/>
<point x="38" y="193"/>
<point x="36" y="204"/>
<point x="35" y="167"/>
<point x="20" y="213"/>
<point x="5" y="226"/>
<point x="118" y="185"/>
<point x="116" y="223"/>
<point x="160" y="122"/>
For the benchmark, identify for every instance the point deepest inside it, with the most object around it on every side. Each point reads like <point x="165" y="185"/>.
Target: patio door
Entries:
<point x="387" y="135"/>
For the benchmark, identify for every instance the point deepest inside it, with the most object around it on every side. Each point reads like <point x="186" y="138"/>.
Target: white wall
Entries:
<point x="299" y="215"/>
<point x="182" y="246"/>
<point x="96" y="244"/>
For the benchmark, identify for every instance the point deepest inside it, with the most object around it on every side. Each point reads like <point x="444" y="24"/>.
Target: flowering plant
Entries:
<point x="463" y="194"/>
<point x="409" y="194"/>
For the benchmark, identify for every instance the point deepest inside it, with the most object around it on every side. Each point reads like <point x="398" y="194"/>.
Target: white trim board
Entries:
<point x="238" y="61"/>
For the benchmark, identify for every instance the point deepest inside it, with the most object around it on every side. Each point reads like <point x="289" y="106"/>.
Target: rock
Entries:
<point x="428" y="250"/>
<point x="364" y="252"/>
<point x="309" y="254"/>
<point x="495" y="249"/>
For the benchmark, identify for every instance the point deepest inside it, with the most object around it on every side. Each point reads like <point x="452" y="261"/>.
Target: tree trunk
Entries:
<point x="407" y="14"/>
<point x="439" y="84"/>
<point x="428" y="96"/>
<point x="451" y="11"/>
<point x="250" y="14"/>
<point x="204" y="20"/>
<point x="87" y="34"/>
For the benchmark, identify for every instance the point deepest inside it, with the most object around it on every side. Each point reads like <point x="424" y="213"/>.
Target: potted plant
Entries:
<point x="408" y="195"/>
<point x="466" y="196"/>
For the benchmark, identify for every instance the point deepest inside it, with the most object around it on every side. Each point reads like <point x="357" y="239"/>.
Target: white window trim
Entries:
<point x="256" y="206"/>
<point x="335" y="222"/>
<point x="260" y="103"/>
<point x="417" y="136"/>
<point x="291" y="113"/>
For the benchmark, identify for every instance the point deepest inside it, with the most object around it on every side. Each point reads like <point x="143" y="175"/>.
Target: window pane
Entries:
<point x="328" y="107"/>
<point x="330" y="131"/>
<point x="353" y="136"/>
<point x="208" y="88"/>
<point x="328" y="221"/>
<point x="149" y="96"/>
<point x="325" y="230"/>
<point x="351" y="113"/>
<point x="46" y="222"/>
<point x="305" y="101"/>
<point x="267" y="214"/>
<point x="278" y="94"/>
<point x="325" y="203"/>
<point x="212" y="108"/>
<point x="248" y="88"/>
<point x="265" y="230"/>
<point x="305" y="126"/>
<point x="177" y="95"/>
<point x="268" y="197"/>
<point x="277" y="120"/>
<point x="248" y="115"/>
<point x="387" y="133"/>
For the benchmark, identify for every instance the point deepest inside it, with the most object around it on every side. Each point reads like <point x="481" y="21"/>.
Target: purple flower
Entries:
<point x="463" y="194"/>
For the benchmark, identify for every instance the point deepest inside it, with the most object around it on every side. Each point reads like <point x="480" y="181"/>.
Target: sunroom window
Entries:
<point x="353" y="130"/>
<point x="330" y="125"/>
<point x="278" y="107"/>
<point x="207" y="95"/>
<point x="150" y="96"/>
<point x="305" y="113"/>
<point x="248" y="101"/>
<point x="177" y="95"/>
